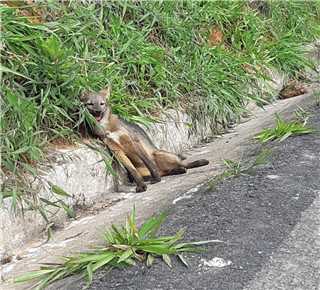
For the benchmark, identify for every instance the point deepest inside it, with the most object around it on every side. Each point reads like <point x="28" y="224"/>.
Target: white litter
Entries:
<point x="216" y="262"/>
<point x="271" y="176"/>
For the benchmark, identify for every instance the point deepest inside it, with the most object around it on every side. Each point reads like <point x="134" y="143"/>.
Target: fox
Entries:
<point x="131" y="145"/>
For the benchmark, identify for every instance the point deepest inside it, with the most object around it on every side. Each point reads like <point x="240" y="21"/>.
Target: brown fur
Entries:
<point x="131" y="145"/>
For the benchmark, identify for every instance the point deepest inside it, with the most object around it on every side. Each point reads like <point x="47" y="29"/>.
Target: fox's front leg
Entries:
<point x="125" y="161"/>
<point x="147" y="160"/>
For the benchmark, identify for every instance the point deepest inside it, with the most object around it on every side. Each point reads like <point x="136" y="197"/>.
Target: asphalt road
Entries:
<point x="269" y="221"/>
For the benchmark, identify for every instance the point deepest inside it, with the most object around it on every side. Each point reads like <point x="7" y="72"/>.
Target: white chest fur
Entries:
<point x="115" y="136"/>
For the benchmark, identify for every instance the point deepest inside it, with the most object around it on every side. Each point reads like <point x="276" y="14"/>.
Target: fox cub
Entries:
<point x="131" y="145"/>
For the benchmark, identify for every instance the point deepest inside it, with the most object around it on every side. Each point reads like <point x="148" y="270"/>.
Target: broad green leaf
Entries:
<point x="157" y="249"/>
<point x="125" y="255"/>
<point x="33" y="275"/>
<point x="151" y="226"/>
<point x="104" y="261"/>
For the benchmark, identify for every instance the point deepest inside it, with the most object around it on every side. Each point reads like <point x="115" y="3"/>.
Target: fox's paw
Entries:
<point x="155" y="180"/>
<point x="141" y="188"/>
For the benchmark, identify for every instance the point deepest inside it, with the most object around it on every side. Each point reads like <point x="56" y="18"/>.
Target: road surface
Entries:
<point x="269" y="221"/>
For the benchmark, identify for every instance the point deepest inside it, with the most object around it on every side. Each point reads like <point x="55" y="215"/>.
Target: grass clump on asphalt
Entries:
<point x="283" y="130"/>
<point x="236" y="168"/>
<point x="156" y="54"/>
<point x="124" y="246"/>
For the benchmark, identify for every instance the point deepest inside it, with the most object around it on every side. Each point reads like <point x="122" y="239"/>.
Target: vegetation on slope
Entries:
<point x="200" y="55"/>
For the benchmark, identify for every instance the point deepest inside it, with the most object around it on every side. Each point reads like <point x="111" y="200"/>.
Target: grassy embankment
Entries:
<point x="198" y="55"/>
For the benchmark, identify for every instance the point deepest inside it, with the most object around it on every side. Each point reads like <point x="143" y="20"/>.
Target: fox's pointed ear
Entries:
<point x="83" y="96"/>
<point x="106" y="92"/>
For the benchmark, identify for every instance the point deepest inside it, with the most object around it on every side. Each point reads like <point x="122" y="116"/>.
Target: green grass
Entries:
<point x="283" y="130"/>
<point x="156" y="56"/>
<point x="124" y="246"/>
<point x="302" y="115"/>
<point x="236" y="168"/>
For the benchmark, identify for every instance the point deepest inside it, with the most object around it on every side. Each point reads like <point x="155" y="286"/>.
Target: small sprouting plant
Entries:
<point x="236" y="168"/>
<point x="283" y="130"/>
<point x="302" y="115"/>
<point x="124" y="246"/>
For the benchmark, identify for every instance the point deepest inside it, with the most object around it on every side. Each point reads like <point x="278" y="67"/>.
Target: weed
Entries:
<point x="234" y="168"/>
<point x="124" y="246"/>
<point x="237" y="168"/>
<point x="283" y="130"/>
<point x="302" y="115"/>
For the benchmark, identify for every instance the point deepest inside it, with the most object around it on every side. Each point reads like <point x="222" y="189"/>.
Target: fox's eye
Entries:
<point x="90" y="104"/>
<point x="102" y="104"/>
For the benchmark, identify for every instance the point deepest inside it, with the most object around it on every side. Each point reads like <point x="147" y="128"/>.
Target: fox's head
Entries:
<point x="97" y="103"/>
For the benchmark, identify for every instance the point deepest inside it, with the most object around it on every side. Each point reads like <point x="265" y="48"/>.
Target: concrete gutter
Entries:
<point x="81" y="234"/>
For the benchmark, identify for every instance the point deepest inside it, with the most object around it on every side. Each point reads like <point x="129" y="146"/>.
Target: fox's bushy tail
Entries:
<point x="197" y="163"/>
